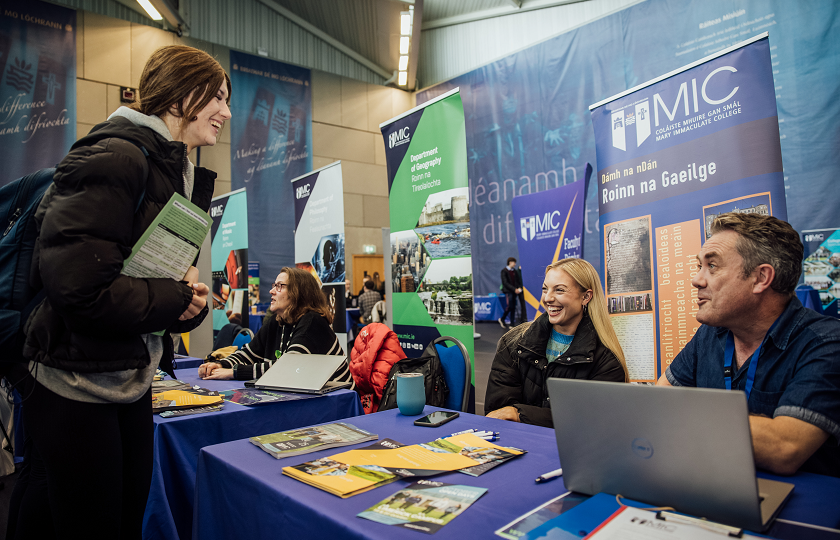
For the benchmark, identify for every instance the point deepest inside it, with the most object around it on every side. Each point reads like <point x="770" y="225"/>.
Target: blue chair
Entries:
<point x="243" y="338"/>
<point x="810" y="298"/>
<point x="457" y="371"/>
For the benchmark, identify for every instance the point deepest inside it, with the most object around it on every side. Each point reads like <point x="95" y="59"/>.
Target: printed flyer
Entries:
<point x="673" y="153"/>
<point x="424" y="506"/>
<point x="431" y="262"/>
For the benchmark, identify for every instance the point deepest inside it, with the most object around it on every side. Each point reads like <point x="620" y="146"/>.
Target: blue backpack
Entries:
<point x="18" y="202"/>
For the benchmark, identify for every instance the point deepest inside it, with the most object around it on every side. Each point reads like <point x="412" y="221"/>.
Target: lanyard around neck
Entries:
<point x="729" y="353"/>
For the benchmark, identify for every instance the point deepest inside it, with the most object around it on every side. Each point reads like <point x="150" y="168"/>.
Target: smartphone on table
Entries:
<point x="437" y="418"/>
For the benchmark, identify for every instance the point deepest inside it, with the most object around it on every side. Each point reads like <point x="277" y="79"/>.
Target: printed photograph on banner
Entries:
<point x="328" y="260"/>
<point x="308" y="267"/>
<point x="758" y="203"/>
<point x="336" y="302"/>
<point x="408" y="261"/>
<point x="822" y="265"/>
<point x="630" y="303"/>
<point x="444" y="223"/>
<point x="627" y="252"/>
<point x="236" y="268"/>
<point x="221" y="290"/>
<point x="637" y="336"/>
<point x="446" y="291"/>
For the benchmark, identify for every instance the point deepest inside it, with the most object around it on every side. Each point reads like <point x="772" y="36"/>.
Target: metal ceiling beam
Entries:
<point x="495" y="12"/>
<point x="376" y="68"/>
<point x="515" y="3"/>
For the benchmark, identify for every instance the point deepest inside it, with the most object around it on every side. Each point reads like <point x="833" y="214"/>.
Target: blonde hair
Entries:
<point x="587" y="279"/>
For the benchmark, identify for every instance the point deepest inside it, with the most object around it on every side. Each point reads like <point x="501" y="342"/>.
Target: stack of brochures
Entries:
<point x="172" y="400"/>
<point x="357" y="471"/>
<point x="424" y="506"/>
<point x="311" y="439"/>
<point x="171" y="384"/>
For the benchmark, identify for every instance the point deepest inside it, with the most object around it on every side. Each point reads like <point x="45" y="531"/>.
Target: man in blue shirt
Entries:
<point x="757" y="337"/>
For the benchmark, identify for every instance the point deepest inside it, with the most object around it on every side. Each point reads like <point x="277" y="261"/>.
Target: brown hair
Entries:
<point x="171" y="75"/>
<point x="510" y="259"/>
<point x="765" y="240"/>
<point x="305" y="295"/>
<point x="587" y="279"/>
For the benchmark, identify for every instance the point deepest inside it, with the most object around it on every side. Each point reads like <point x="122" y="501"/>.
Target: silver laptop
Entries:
<point x="303" y="373"/>
<point x="688" y="448"/>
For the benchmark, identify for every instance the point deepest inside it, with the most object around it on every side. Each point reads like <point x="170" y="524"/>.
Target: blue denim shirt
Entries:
<point x="798" y="374"/>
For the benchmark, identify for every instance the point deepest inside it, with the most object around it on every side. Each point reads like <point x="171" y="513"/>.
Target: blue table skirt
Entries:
<point x="489" y="308"/>
<point x="188" y="362"/>
<point x="169" y="509"/>
<point x="267" y="504"/>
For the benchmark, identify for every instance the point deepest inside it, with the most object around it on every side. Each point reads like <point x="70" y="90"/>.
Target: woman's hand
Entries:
<point x="199" y="300"/>
<point x="220" y="374"/>
<point x="206" y="369"/>
<point x="505" y="413"/>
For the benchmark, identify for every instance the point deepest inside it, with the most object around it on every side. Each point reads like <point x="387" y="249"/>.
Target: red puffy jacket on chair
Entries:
<point x="377" y="348"/>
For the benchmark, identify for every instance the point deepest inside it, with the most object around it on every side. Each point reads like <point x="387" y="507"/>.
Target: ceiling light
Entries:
<point x="404" y="45"/>
<point x="403" y="78"/>
<point x="150" y="9"/>
<point x="403" y="63"/>
<point x="405" y="23"/>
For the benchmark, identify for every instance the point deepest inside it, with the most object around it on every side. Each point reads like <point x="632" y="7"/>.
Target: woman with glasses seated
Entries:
<point x="574" y="339"/>
<point x="301" y="326"/>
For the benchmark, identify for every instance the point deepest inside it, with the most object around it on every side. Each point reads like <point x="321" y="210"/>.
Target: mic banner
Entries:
<point x="431" y="262"/>
<point x="229" y="258"/>
<point x="673" y="153"/>
<point x="550" y="229"/>
<point x="319" y="237"/>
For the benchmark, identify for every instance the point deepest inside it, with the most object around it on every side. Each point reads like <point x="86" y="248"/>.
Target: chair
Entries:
<point x="377" y="314"/>
<point x="243" y="338"/>
<point x="457" y="371"/>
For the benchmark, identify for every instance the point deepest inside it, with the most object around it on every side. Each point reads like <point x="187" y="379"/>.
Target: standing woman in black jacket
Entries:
<point x="91" y="344"/>
<point x="574" y="339"/>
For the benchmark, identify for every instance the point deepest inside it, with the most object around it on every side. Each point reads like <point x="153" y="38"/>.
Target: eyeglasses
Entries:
<point x="279" y="286"/>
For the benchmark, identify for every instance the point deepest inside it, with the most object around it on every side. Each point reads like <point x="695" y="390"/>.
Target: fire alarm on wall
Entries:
<point x="127" y="95"/>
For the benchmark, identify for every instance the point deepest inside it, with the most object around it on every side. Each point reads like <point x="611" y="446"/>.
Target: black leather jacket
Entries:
<point x="93" y="317"/>
<point x="520" y="368"/>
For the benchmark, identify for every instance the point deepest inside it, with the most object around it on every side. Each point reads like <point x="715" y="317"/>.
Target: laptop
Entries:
<point x="688" y="448"/>
<point x="303" y="373"/>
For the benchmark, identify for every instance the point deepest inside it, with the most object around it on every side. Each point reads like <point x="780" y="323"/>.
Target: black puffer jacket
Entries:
<point x="92" y="317"/>
<point x="520" y="368"/>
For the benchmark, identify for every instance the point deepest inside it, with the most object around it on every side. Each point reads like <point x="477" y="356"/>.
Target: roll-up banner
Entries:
<point x="271" y="135"/>
<point x="229" y="258"/>
<point x="37" y="86"/>
<point x="319" y="237"/>
<point x="672" y="154"/>
<point x="550" y="229"/>
<point x="431" y="262"/>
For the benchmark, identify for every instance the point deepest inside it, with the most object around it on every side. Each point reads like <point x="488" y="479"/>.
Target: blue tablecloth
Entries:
<point x="169" y="510"/>
<point x="255" y="322"/>
<point x="267" y="504"/>
<point x="489" y="308"/>
<point x="188" y="362"/>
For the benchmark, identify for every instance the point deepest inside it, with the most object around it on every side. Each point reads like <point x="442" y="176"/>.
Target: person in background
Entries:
<point x="301" y="326"/>
<point x="512" y="287"/>
<point x="349" y="298"/>
<point x="378" y="285"/>
<point x="573" y="339"/>
<point x="367" y="300"/>
<point x="365" y="279"/>
<point x="756" y="336"/>
<point x="91" y="343"/>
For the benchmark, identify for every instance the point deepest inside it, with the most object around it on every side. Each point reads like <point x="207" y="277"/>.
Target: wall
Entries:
<point x="346" y="114"/>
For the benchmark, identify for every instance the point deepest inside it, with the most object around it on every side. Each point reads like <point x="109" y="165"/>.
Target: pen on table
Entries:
<point x="549" y="476"/>
<point x="489" y="438"/>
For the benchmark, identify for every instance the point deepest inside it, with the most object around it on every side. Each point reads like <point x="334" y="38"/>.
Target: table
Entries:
<point x="169" y="509"/>
<point x="489" y="308"/>
<point x="242" y="493"/>
<point x="188" y="362"/>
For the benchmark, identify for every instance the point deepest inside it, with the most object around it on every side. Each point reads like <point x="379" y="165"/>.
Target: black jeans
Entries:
<point x="511" y="307"/>
<point x="88" y="467"/>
